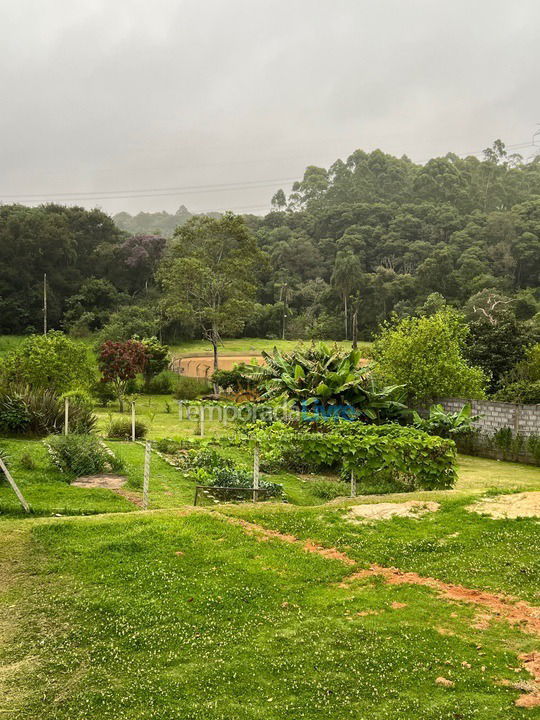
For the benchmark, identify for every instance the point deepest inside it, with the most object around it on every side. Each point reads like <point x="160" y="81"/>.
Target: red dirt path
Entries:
<point x="500" y="607"/>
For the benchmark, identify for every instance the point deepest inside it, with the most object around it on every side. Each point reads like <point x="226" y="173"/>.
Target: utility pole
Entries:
<point x="44" y="303"/>
<point x="283" y="299"/>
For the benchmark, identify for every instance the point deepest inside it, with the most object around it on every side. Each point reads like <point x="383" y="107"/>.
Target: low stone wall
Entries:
<point x="521" y="419"/>
<point x="505" y="431"/>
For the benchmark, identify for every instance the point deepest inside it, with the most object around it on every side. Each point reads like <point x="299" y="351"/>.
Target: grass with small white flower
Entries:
<point x="179" y="614"/>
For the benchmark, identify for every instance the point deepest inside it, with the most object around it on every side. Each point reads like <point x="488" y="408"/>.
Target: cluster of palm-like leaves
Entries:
<point x="319" y="375"/>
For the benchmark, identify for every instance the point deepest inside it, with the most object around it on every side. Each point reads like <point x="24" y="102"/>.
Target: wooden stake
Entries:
<point x="146" y="479"/>
<point x="13" y="484"/>
<point x="256" y="475"/>
<point x="133" y="422"/>
<point x="66" y="416"/>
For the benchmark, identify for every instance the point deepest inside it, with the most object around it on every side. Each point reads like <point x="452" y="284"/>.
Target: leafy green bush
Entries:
<point x="27" y="462"/>
<point x="52" y="362"/>
<point x="427" y="355"/>
<point x="446" y="424"/>
<point x="157" y="359"/>
<point x="37" y="411"/>
<point x="237" y="379"/>
<point x="161" y="384"/>
<point x="103" y="393"/>
<point x="81" y="455"/>
<point x="523" y="392"/>
<point x="212" y="469"/>
<point x="190" y="388"/>
<point x="330" y="489"/>
<point x="405" y="456"/>
<point x="15" y="417"/>
<point x="121" y="429"/>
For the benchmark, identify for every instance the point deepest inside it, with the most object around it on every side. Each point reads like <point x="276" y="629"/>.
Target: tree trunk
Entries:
<point x="346" y="308"/>
<point x="355" y="330"/>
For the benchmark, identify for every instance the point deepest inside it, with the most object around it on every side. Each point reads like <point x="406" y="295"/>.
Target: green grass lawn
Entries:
<point x="230" y="346"/>
<point x="47" y="490"/>
<point x="175" y="614"/>
<point x="245" y="346"/>
<point x="165" y="616"/>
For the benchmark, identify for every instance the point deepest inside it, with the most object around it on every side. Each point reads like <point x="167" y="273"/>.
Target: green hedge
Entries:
<point x="389" y="456"/>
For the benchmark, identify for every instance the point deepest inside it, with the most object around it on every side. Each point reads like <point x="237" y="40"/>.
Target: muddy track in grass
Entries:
<point x="500" y="607"/>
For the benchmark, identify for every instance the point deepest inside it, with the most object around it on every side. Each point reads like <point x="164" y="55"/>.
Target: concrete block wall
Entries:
<point x="522" y="419"/>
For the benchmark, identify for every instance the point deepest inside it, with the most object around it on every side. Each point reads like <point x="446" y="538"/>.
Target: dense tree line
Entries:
<point x="350" y="246"/>
<point x="378" y="234"/>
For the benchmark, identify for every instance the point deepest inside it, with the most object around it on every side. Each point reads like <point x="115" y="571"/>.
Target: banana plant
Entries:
<point x="319" y="375"/>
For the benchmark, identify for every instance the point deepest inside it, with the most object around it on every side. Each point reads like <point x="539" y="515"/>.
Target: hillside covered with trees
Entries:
<point x="369" y="237"/>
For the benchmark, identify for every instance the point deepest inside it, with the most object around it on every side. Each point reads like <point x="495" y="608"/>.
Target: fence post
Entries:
<point x="66" y="416"/>
<point x="133" y="422"/>
<point x="255" y="473"/>
<point x="146" y="480"/>
<point x="14" y="486"/>
<point x="201" y="419"/>
<point x="353" y="484"/>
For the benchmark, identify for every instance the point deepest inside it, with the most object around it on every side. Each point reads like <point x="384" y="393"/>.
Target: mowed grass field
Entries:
<point x="180" y="613"/>
<point x="230" y="346"/>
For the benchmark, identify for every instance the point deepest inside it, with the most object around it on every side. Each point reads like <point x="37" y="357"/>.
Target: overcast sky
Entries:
<point x="107" y="96"/>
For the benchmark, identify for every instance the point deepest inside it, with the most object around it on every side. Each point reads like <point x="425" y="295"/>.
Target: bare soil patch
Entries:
<point x="203" y="365"/>
<point x="384" y="511"/>
<point x="518" y="505"/>
<point x="107" y="482"/>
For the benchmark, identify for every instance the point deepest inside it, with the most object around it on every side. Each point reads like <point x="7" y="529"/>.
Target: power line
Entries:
<point x="151" y="192"/>
<point x="126" y="194"/>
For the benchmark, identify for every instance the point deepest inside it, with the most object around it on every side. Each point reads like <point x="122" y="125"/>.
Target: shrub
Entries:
<point x="236" y="379"/>
<point x="161" y="384"/>
<point x="157" y="359"/>
<point x="191" y="388"/>
<point x="37" y="411"/>
<point x="121" y="429"/>
<point x="446" y="424"/>
<point x="427" y="356"/>
<point x="81" y="455"/>
<point x="103" y="393"/>
<point x="404" y="456"/>
<point x="27" y="462"/>
<point x="521" y="392"/>
<point x="129" y="321"/>
<point x="330" y="489"/>
<point x="53" y="362"/>
<point x="14" y="414"/>
<point x="212" y="469"/>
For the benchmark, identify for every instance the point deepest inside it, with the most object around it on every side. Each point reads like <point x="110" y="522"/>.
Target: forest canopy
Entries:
<point x="351" y="245"/>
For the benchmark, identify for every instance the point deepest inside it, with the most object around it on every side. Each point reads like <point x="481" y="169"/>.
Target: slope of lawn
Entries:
<point x="49" y="493"/>
<point x="47" y="490"/>
<point x="164" y="616"/>
<point x="452" y="544"/>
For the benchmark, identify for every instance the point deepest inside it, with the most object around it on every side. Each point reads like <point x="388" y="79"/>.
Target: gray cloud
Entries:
<point x="102" y="96"/>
